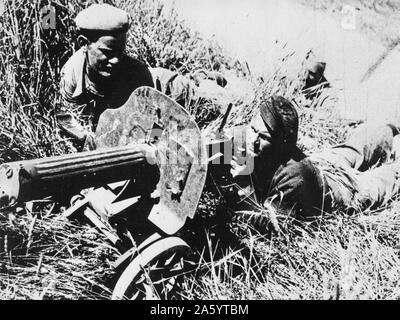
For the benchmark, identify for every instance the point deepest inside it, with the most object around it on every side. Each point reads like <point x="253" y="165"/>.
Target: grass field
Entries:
<point x="378" y="19"/>
<point x="44" y="256"/>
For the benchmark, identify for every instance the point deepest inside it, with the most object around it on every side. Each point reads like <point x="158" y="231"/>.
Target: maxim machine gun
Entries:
<point x="145" y="176"/>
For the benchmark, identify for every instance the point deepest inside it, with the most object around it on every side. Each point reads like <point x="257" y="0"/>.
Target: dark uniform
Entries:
<point x="355" y="175"/>
<point x="83" y="101"/>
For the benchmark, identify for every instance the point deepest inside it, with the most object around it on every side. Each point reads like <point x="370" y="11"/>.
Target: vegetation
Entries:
<point x="43" y="256"/>
<point x="377" y="19"/>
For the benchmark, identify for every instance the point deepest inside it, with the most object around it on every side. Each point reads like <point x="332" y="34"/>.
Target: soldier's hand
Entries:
<point x="151" y="153"/>
<point x="70" y="126"/>
<point x="89" y="142"/>
<point x="242" y="166"/>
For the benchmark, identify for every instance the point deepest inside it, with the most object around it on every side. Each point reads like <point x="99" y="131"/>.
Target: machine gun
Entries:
<point x="149" y="167"/>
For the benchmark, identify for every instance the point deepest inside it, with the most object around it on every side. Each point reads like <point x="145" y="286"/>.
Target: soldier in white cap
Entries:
<point x="99" y="75"/>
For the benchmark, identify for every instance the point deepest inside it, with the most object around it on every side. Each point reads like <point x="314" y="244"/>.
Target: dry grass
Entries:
<point x="343" y="258"/>
<point x="43" y="256"/>
<point x="337" y="257"/>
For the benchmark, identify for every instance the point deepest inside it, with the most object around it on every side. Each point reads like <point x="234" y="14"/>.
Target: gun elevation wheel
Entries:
<point x="155" y="272"/>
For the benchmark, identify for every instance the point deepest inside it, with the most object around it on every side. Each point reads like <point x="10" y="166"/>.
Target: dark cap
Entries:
<point x="281" y="119"/>
<point x="102" y="18"/>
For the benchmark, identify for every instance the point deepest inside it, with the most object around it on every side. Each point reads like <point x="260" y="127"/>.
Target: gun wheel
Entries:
<point x="155" y="273"/>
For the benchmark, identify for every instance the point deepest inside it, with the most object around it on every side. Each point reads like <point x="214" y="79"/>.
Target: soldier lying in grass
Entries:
<point x="354" y="175"/>
<point x="315" y="80"/>
<point x="100" y="75"/>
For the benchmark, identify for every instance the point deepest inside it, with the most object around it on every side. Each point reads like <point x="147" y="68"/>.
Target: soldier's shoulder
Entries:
<point x="301" y="166"/>
<point x="136" y="72"/>
<point x="71" y="73"/>
<point x="74" y="62"/>
<point x="297" y="169"/>
<point x="133" y="63"/>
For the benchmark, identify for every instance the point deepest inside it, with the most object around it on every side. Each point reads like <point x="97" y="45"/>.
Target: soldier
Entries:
<point x="99" y="75"/>
<point x="315" y="79"/>
<point x="289" y="184"/>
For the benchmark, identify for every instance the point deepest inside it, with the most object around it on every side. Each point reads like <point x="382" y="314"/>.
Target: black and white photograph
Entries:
<point x="199" y="151"/>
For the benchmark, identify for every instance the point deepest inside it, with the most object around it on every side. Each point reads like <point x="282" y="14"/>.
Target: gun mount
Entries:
<point x="150" y="158"/>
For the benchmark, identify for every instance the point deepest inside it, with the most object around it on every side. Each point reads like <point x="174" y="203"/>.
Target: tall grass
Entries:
<point x="344" y="258"/>
<point x="31" y="59"/>
<point x="42" y="256"/>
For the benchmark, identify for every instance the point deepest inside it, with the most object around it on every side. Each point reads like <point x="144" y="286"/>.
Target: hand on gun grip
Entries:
<point x="69" y="125"/>
<point x="242" y="166"/>
<point x="89" y="142"/>
<point x="151" y="153"/>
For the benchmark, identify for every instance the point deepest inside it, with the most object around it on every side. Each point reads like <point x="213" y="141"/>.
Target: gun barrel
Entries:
<point x="33" y="179"/>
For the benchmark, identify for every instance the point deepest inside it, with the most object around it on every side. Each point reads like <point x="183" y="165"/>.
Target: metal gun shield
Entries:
<point x="151" y="117"/>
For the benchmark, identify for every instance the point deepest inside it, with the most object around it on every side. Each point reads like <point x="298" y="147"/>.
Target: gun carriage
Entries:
<point x="149" y="169"/>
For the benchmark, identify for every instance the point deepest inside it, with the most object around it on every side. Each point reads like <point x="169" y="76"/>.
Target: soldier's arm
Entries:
<point x="296" y="191"/>
<point x="67" y="115"/>
<point x="68" y="124"/>
<point x="68" y="84"/>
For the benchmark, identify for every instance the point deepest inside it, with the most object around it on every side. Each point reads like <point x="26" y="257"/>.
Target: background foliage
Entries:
<point x="43" y="256"/>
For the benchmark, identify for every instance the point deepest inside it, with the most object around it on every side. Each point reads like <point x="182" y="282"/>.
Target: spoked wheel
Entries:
<point x="156" y="272"/>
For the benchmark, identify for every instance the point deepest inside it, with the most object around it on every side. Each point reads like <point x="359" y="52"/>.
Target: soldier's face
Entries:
<point x="259" y="141"/>
<point x="105" y="54"/>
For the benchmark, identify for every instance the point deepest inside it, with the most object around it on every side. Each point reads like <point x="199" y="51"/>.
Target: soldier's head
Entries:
<point x="273" y="130"/>
<point x="102" y="32"/>
<point x="315" y="73"/>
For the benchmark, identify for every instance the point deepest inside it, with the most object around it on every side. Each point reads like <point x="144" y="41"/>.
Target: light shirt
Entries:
<point x="84" y="98"/>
